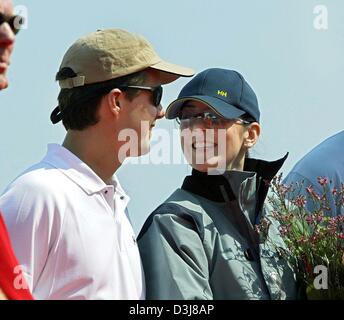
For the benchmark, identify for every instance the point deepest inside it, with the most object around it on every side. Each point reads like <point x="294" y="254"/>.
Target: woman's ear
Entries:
<point x="252" y="134"/>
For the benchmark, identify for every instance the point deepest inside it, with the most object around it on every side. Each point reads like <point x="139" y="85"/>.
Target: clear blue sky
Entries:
<point x="296" y="70"/>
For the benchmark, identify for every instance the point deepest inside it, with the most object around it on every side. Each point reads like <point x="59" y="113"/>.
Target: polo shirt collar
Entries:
<point x="76" y="170"/>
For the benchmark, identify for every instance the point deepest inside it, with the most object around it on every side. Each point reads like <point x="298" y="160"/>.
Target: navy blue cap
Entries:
<point x="224" y="91"/>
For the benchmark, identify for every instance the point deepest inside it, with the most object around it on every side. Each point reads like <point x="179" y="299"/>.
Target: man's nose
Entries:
<point x="199" y="125"/>
<point x="160" y="112"/>
<point x="7" y="36"/>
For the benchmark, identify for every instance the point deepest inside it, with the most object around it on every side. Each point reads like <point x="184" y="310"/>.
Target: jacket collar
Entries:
<point x="236" y="185"/>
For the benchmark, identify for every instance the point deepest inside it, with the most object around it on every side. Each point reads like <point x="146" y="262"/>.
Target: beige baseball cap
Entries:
<point x="113" y="53"/>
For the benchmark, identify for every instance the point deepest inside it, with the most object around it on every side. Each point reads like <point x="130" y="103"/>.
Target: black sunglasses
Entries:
<point x="15" y="22"/>
<point x="156" y="92"/>
<point x="57" y="115"/>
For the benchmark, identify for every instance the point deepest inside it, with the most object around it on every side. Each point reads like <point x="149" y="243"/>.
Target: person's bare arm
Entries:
<point x="2" y="295"/>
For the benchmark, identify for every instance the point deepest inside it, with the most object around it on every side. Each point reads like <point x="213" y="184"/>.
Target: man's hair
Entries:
<point x="80" y="105"/>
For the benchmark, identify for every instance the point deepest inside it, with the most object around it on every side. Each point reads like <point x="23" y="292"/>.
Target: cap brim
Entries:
<point x="172" y="71"/>
<point x="220" y="107"/>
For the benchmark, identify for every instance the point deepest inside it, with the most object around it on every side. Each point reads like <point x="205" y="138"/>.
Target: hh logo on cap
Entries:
<point x="222" y="93"/>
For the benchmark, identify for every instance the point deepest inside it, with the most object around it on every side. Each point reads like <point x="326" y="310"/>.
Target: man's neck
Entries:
<point x="102" y="159"/>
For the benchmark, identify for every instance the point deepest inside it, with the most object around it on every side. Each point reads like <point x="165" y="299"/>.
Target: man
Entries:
<point x="7" y="38"/>
<point x="67" y="214"/>
<point x="323" y="169"/>
<point x="9" y="266"/>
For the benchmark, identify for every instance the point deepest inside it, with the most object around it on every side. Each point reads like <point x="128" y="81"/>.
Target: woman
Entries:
<point x="202" y="242"/>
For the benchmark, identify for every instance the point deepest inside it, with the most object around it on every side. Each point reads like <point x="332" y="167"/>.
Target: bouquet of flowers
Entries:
<point x="314" y="238"/>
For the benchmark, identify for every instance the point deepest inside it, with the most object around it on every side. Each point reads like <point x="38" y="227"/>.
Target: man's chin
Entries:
<point x="3" y="82"/>
<point x="143" y="151"/>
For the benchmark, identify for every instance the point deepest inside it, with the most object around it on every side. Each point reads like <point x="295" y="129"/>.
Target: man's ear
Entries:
<point x="252" y="134"/>
<point x="113" y="100"/>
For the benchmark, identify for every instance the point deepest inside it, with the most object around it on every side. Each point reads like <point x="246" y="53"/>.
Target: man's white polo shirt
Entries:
<point x="70" y="231"/>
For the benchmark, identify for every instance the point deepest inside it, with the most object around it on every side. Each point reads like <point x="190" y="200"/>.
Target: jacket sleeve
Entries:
<point x="174" y="260"/>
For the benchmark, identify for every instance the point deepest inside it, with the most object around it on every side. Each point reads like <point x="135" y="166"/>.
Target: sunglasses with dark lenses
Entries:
<point x="15" y="22"/>
<point x="57" y="115"/>
<point x="156" y="92"/>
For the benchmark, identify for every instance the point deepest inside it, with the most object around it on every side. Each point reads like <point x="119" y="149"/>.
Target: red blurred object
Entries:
<point x="8" y="263"/>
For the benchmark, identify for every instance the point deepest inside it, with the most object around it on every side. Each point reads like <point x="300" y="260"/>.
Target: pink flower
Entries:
<point x="322" y="181"/>
<point x="320" y="217"/>
<point x="309" y="219"/>
<point x="310" y="189"/>
<point x="311" y="192"/>
<point x="300" y="201"/>
<point x="341" y="236"/>
<point x="284" y="189"/>
<point x="283" y="231"/>
<point x="311" y="234"/>
<point x="314" y="238"/>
